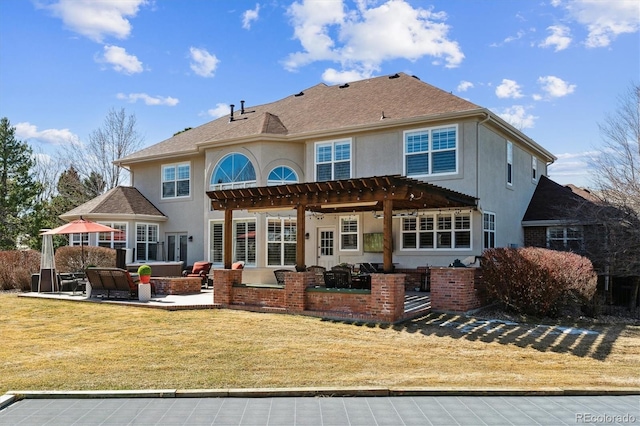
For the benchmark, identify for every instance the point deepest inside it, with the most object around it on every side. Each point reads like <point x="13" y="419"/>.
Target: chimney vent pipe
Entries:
<point x="231" y="117"/>
<point x="241" y="107"/>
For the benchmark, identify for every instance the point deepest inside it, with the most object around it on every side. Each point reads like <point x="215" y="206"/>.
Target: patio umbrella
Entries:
<point x="80" y="226"/>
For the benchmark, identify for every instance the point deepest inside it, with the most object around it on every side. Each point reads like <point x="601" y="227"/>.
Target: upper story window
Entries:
<point x="509" y="163"/>
<point x="233" y="171"/>
<point x="534" y="169"/>
<point x="176" y="180"/>
<point x="437" y="231"/>
<point x="282" y="175"/>
<point x="431" y="151"/>
<point x="349" y="233"/>
<point x="333" y="160"/>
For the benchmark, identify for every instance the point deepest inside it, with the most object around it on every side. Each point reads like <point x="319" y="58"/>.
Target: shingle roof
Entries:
<point x="552" y="201"/>
<point x="121" y="200"/>
<point x="320" y="108"/>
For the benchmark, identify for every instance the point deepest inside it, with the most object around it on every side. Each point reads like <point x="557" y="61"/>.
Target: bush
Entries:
<point x="69" y="259"/>
<point x="537" y="281"/>
<point x="144" y="270"/>
<point x="16" y="268"/>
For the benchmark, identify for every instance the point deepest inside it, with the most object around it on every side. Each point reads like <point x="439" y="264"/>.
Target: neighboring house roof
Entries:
<point x="552" y="202"/>
<point x="121" y="201"/>
<point x="323" y="111"/>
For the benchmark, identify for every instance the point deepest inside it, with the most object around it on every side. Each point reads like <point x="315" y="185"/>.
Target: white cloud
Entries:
<point x="97" y="19"/>
<point x="604" y="20"/>
<point x="572" y="168"/>
<point x="203" y="63"/>
<point x="120" y="60"/>
<point x="508" y="89"/>
<point x="518" y="117"/>
<point x="333" y="76"/>
<point x="219" y="111"/>
<point x="147" y="99"/>
<point x="25" y="131"/>
<point x="559" y="37"/>
<point x="249" y="16"/>
<point x="464" y="86"/>
<point x="554" y="87"/>
<point x="363" y="38"/>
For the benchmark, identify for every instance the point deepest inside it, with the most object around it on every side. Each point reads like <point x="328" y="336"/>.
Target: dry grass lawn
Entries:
<point x="58" y="345"/>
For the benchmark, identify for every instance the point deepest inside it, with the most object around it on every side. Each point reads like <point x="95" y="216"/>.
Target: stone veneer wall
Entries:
<point x="455" y="289"/>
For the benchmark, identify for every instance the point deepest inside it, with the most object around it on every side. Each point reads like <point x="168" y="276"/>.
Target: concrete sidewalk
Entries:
<point x="321" y="407"/>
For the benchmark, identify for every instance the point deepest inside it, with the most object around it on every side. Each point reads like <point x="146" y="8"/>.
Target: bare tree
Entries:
<point x="117" y="138"/>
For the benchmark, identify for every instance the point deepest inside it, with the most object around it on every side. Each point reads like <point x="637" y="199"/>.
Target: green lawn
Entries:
<point x="59" y="345"/>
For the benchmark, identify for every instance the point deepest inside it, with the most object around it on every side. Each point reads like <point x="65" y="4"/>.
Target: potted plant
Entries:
<point x="144" y="272"/>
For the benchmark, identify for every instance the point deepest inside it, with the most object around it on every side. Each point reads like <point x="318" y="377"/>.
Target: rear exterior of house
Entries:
<point x="384" y="126"/>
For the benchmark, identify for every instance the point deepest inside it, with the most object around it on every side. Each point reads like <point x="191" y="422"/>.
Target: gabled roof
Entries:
<point x="123" y="201"/>
<point x="554" y="202"/>
<point x="320" y="109"/>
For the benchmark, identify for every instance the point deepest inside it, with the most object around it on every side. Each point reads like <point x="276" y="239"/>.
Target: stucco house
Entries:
<point x="388" y="170"/>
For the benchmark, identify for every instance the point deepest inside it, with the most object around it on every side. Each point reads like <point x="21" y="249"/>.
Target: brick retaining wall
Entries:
<point x="176" y="285"/>
<point x="455" y="289"/>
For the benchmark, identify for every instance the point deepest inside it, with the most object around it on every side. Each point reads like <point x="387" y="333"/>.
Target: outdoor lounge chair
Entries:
<point x="112" y="280"/>
<point x="200" y="269"/>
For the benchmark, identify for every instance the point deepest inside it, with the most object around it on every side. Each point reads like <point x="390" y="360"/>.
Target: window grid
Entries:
<point x="489" y="230"/>
<point x="534" y="169"/>
<point x="509" y="163"/>
<point x="114" y="240"/>
<point x="282" y="175"/>
<point x="333" y="160"/>
<point x="176" y="180"/>
<point x="281" y="242"/>
<point x="233" y="171"/>
<point x="349" y="233"/>
<point x="245" y="242"/>
<point x="437" y="231"/>
<point x="216" y="243"/>
<point x="566" y="238"/>
<point x="146" y="241"/>
<point x="431" y="151"/>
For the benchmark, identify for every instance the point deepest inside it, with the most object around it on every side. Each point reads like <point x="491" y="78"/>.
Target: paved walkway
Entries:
<point x="358" y="410"/>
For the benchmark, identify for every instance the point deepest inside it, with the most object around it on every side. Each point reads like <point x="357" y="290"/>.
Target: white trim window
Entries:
<point x="176" y="180"/>
<point x="114" y="240"/>
<point x="570" y="238"/>
<point x="349" y="231"/>
<point x="442" y="231"/>
<point x="244" y="242"/>
<point x="216" y="242"/>
<point x="281" y="241"/>
<point x="282" y="175"/>
<point x="534" y="169"/>
<point x="147" y="242"/>
<point x="488" y="230"/>
<point x="509" y="163"/>
<point x="431" y="151"/>
<point x="75" y="239"/>
<point x="333" y="160"/>
<point x="233" y="171"/>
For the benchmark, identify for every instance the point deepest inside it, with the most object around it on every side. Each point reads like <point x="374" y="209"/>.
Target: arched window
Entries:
<point x="282" y="175"/>
<point x="233" y="171"/>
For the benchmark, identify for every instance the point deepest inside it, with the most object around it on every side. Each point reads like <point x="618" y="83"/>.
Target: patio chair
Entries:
<point x="368" y="268"/>
<point x="200" y="269"/>
<point x="329" y="279"/>
<point x="318" y="273"/>
<point x="279" y="273"/>
<point x="342" y="277"/>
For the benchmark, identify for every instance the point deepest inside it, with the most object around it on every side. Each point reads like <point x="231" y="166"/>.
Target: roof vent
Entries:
<point x="231" y="116"/>
<point x="416" y="77"/>
<point x="344" y="86"/>
<point x="241" y="107"/>
<point x="396" y="75"/>
<point x="299" y="94"/>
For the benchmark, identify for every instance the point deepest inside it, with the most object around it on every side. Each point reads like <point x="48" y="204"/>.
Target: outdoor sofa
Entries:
<point x="112" y="281"/>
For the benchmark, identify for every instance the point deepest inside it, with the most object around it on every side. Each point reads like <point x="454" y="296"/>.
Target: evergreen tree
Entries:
<point x="18" y="190"/>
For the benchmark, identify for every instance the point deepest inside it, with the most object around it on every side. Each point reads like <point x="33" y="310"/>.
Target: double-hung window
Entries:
<point x="333" y="160"/>
<point x="245" y="242"/>
<point x="176" y="180"/>
<point x="349" y="233"/>
<point x="431" y="151"/>
<point x="534" y="169"/>
<point x="114" y="240"/>
<point x="569" y="238"/>
<point x="489" y="230"/>
<point x="216" y="242"/>
<point x="437" y="231"/>
<point x="509" y="163"/>
<point x="281" y="242"/>
<point x="146" y="242"/>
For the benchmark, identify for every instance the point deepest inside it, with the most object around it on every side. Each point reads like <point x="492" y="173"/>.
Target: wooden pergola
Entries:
<point x="379" y="193"/>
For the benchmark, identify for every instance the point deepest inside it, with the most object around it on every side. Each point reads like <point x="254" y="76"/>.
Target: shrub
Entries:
<point x="69" y="259"/>
<point x="144" y="270"/>
<point x="537" y="281"/>
<point x="16" y="268"/>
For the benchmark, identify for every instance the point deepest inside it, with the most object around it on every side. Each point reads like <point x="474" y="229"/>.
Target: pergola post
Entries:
<point x="387" y="244"/>
<point x="228" y="240"/>
<point x="300" y="238"/>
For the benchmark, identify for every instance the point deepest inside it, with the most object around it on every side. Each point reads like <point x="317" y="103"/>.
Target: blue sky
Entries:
<point x="552" y="68"/>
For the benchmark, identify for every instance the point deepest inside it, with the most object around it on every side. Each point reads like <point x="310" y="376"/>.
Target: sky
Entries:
<point x="555" y="69"/>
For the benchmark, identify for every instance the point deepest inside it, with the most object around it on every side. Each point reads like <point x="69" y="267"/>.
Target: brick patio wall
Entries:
<point x="384" y="303"/>
<point x="176" y="285"/>
<point x="455" y="289"/>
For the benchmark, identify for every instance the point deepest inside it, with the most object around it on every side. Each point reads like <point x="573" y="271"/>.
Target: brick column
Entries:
<point x="295" y="284"/>
<point x="454" y="289"/>
<point x="223" y="281"/>
<point x="387" y="296"/>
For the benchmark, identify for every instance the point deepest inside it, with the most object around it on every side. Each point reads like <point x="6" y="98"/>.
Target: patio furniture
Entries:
<point x="200" y="269"/>
<point x="368" y="268"/>
<point x="279" y="273"/>
<point x="337" y="278"/>
<point x="114" y="280"/>
<point x="318" y="273"/>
